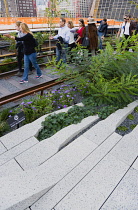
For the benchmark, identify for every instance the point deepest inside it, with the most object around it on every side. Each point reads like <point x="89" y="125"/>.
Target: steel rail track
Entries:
<point x="29" y="91"/>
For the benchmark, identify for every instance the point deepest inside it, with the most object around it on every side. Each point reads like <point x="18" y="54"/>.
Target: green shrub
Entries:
<point x="130" y="117"/>
<point x="54" y="123"/>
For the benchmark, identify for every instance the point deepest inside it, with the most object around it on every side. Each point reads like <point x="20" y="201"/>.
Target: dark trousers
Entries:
<point x="20" y="56"/>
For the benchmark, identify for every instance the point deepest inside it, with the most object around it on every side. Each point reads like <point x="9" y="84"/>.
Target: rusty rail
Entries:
<point x="29" y="91"/>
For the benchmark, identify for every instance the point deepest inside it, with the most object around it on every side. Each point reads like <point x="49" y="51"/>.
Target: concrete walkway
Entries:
<point x="98" y="170"/>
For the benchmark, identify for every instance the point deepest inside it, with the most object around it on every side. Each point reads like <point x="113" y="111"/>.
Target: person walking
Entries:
<point x="102" y="31"/>
<point x="80" y="31"/>
<point x="91" y="32"/>
<point x="127" y="27"/>
<point x="71" y="39"/>
<point x="63" y="37"/>
<point x="20" y="51"/>
<point x="29" y="51"/>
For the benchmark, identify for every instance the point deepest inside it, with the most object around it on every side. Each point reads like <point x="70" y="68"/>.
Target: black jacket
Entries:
<point x="28" y="43"/>
<point x="102" y="28"/>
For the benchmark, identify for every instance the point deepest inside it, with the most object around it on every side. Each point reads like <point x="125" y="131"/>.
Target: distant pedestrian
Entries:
<point x="71" y="38"/>
<point x="20" y="51"/>
<point x="80" y="31"/>
<point x="63" y="37"/>
<point x="91" y="32"/>
<point x="102" y="31"/>
<point x="29" y="51"/>
<point x="127" y="27"/>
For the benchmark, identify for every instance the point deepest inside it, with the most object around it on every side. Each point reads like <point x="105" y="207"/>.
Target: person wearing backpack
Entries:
<point x="90" y="31"/>
<point x="20" y="51"/>
<point x="30" y="54"/>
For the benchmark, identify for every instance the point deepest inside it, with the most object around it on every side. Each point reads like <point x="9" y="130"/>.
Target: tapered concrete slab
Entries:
<point x="22" y="189"/>
<point x="2" y="148"/>
<point x="12" y="153"/>
<point x="105" y="128"/>
<point x="48" y="147"/>
<point x="62" y="188"/>
<point x="127" y="149"/>
<point x="9" y="168"/>
<point x="92" y="191"/>
<point x="125" y="196"/>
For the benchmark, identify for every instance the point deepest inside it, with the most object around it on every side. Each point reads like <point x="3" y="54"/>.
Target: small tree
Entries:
<point x="52" y="12"/>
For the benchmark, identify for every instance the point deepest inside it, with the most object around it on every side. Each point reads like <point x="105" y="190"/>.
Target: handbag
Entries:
<point x="85" y="42"/>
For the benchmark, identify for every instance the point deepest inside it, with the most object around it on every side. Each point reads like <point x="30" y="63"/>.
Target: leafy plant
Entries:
<point x="136" y="109"/>
<point x="122" y="128"/>
<point x="54" y="123"/>
<point x="130" y="117"/>
<point x="132" y="126"/>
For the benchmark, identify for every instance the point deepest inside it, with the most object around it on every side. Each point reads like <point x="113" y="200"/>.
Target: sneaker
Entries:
<point x="37" y="77"/>
<point x="23" y="81"/>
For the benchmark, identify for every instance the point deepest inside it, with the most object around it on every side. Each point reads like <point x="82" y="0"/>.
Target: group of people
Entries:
<point x="67" y="38"/>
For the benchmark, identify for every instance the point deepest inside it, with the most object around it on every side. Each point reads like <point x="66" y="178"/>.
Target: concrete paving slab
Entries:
<point x="48" y="147"/>
<point x="2" y="148"/>
<point x="127" y="149"/>
<point x="125" y="196"/>
<point x="135" y="165"/>
<point x="9" y="168"/>
<point x="92" y="191"/>
<point x="21" y="190"/>
<point x="37" y="154"/>
<point x="58" y="192"/>
<point x="16" y="137"/>
<point x="105" y="128"/>
<point x="13" y="152"/>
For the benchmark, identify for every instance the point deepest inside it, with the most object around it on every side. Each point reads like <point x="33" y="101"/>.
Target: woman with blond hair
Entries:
<point x="29" y="51"/>
<point x="20" y="51"/>
<point x="71" y="40"/>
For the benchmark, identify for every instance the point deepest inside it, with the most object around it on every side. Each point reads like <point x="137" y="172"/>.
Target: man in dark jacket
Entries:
<point x="102" y="31"/>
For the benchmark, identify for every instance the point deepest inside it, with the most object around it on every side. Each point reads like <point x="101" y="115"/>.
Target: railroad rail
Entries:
<point x="29" y="91"/>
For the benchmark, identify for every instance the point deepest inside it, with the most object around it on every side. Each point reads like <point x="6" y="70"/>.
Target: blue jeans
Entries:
<point x="27" y="59"/>
<point x="61" y="54"/>
<point x="100" y="34"/>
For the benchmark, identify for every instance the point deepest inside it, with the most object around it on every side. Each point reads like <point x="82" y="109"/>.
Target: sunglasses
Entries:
<point x="126" y="18"/>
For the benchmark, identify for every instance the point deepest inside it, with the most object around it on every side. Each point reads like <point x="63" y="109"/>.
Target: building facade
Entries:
<point x="18" y="8"/>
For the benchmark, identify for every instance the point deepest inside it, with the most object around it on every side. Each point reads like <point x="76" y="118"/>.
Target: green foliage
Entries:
<point x="105" y="111"/>
<point x="3" y="127"/>
<point x="12" y="42"/>
<point x="130" y="117"/>
<point x="132" y="126"/>
<point x="136" y="109"/>
<point x="122" y="128"/>
<point x="111" y="76"/>
<point x="35" y="108"/>
<point x="8" y="67"/>
<point x="54" y="123"/>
